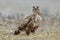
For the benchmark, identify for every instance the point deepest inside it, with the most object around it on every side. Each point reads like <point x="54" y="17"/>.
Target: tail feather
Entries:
<point x="16" y="32"/>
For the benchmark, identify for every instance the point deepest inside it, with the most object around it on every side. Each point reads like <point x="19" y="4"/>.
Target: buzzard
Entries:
<point x="30" y="23"/>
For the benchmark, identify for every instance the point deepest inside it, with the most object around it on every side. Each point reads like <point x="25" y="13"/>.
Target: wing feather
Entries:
<point x="25" y="22"/>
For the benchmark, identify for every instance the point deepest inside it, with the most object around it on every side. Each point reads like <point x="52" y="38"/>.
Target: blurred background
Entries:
<point x="21" y="8"/>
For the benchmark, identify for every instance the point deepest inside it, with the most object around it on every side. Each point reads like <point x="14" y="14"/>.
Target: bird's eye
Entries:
<point x="37" y="7"/>
<point x="33" y="6"/>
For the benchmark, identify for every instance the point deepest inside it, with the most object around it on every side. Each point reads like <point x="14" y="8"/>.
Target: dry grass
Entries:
<point x="36" y="36"/>
<point x="51" y="31"/>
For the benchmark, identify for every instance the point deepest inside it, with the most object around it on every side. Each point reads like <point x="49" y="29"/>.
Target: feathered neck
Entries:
<point x="35" y="14"/>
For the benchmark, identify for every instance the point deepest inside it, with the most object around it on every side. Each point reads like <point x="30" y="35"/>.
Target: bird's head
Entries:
<point x="36" y="10"/>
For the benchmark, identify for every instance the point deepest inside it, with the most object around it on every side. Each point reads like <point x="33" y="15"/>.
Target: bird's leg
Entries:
<point x="34" y="29"/>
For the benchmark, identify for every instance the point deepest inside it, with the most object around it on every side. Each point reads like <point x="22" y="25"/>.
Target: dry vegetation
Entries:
<point x="48" y="30"/>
